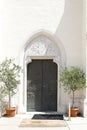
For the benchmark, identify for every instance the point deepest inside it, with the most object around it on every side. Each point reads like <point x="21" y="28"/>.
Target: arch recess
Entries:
<point x="42" y="45"/>
<point x="47" y="43"/>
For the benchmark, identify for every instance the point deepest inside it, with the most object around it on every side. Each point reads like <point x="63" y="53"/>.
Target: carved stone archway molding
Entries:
<point x="41" y="46"/>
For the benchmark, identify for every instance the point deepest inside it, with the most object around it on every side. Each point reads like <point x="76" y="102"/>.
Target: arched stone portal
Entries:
<point x="43" y="46"/>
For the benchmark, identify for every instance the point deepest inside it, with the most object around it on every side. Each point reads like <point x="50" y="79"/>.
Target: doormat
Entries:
<point x="48" y="116"/>
<point x="42" y="123"/>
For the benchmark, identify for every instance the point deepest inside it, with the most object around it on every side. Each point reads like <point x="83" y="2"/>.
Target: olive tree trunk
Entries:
<point x="73" y="99"/>
<point x="9" y="103"/>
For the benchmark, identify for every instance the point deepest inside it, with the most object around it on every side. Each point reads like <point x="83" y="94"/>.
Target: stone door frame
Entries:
<point x="41" y="45"/>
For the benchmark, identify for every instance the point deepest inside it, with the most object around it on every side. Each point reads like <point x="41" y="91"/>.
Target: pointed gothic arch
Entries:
<point x="41" y="45"/>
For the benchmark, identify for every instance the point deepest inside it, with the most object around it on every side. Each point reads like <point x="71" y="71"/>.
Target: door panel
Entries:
<point x="42" y="86"/>
<point x="50" y="88"/>
<point x="34" y="80"/>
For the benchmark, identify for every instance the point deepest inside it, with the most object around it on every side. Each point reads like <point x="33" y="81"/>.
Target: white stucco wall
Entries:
<point x="70" y="31"/>
<point x="20" y="19"/>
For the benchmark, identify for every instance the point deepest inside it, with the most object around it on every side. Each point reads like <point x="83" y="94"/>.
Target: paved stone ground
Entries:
<point x="76" y="123"/>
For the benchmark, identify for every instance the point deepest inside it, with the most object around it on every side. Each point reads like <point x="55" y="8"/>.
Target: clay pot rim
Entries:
<point x="74" y="108"/>
<point x="11" y="108"/>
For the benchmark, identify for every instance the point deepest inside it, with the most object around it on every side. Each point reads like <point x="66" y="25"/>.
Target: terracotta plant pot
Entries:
<point x="10" y="112"/>
<point x="74" y="112"/>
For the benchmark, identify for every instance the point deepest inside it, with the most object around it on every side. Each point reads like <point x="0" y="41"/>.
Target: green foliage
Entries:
<point x="72" y="79"/>
<point x="3" y="92"/>
<point x="9" y="76"/>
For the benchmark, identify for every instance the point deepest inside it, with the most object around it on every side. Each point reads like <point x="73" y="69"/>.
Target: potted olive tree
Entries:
<point x="9" y="75"/>
<point x="3" y="93"/>
<point x="73" y="79"/>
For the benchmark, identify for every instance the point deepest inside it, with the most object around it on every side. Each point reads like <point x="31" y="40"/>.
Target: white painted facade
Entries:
<point x="29" y="27"/>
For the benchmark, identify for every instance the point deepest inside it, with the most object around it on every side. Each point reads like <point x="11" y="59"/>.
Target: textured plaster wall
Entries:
<point x="19" y="19"/>
<point x="70" y="31"/>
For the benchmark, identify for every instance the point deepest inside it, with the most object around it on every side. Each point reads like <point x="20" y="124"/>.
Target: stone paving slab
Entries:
<point x="26" y="122"/>
<point x="76" y="123"/>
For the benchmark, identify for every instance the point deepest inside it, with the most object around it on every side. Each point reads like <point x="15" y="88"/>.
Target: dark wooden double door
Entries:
<point x="42" y="86"/>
